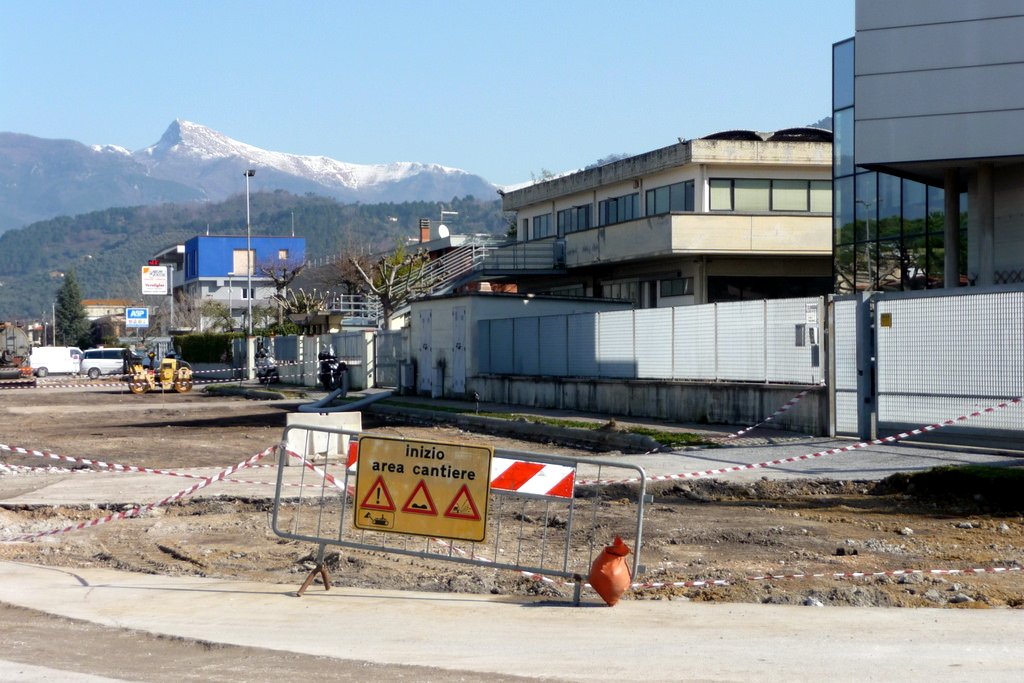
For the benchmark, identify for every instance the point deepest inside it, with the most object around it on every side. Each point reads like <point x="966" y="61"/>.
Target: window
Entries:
<point x="680" y="286"/>
<point x="542" y="226"/>
<point x="751" y="195"/>
<point x="573" y="220"/>
<point x="240" y="265"/>
<point x="619" y="209"/>
<point x="675" y="197"/>
<point x="282" y="254"/>
<point x="757" y="195"/>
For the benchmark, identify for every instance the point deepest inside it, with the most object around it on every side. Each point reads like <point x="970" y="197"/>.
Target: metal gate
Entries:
<point x="387" y="356"/>
<point x="539" y="519"/>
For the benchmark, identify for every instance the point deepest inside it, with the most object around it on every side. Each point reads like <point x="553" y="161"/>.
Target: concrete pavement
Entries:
<point x="635" y="640"/>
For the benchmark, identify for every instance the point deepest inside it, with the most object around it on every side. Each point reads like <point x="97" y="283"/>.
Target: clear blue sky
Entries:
<point x="502" y="90"/>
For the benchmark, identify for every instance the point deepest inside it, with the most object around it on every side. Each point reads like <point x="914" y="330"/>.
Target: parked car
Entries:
<point x="98" y="362"/>
<point x="53" y="360"/>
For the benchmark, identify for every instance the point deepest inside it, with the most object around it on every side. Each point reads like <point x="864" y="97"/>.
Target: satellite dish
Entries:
<point x="442" y="231"/>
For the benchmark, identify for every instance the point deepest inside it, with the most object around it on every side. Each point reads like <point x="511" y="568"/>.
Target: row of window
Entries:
<point x="758" y="194"/>
<point x="727" y="194"/>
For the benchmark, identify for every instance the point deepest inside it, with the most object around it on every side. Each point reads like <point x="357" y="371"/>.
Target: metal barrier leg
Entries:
<point x="318" y="569"/>
<point x="577" y="590"/>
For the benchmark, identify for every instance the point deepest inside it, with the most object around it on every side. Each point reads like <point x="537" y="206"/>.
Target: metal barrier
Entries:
<point x="536" y="520"/>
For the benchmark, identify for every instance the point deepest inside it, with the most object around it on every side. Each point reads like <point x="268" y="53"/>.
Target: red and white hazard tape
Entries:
<point x="114" y="468"/>
<point x="789" y="404"/>
<point x="832" y="451"/>
<point x="144" y="508"/>
<point x="836" y="575"/>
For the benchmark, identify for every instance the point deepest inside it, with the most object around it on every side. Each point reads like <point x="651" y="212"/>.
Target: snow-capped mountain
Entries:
<point x="42" y="178"/>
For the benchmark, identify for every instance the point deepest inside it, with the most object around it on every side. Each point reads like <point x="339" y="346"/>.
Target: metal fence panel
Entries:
<point x="615" y="349"/>
<point x="554" y="338"/>
<point x="526" y="343"/>
<point x="740" y="341"/>
<point x="554" y="534"/>
<point x="502" y="347"/>
<point x="348" y="346"/>
<point x="583" y="345"/>
<point x="482" y="345"/>
<point x="941" y="357"/>
<point x="693" y="347"/>
<point x="793" y="328"/>
<point x="653" y="343"/>
<point x="844" y="363"/>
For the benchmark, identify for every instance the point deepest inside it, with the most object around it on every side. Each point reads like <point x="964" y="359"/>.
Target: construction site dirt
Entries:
<point x="869" y="544"/>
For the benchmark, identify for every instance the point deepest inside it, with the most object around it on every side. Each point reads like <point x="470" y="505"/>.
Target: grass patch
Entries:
<point x="662" y="437"/>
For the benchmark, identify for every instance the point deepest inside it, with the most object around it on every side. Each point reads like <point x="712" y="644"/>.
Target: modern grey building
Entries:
<point x="928" y="104"/>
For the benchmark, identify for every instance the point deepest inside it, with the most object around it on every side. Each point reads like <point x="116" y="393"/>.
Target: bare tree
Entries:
<point x="282" y="272"/>
<point x="395" y="278"/>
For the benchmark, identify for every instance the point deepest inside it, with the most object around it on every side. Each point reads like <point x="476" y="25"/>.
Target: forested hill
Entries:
<point x="106" y="249"/>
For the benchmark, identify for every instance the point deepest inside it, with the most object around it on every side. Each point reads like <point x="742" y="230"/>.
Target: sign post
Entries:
<point x="423" y="488"/>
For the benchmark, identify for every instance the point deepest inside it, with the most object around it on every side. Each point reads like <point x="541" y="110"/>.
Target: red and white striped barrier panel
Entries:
<point x="536" y="478"/>
<point x="832" y="451"/>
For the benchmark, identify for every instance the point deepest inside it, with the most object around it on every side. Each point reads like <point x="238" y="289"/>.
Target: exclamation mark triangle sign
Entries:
<point x="463" y="506"/>
<point x="379" y="498"/>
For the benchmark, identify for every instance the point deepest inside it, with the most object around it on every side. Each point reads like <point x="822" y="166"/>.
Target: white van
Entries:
<point x="98" y="362"/>
<point x="48" y="360"/>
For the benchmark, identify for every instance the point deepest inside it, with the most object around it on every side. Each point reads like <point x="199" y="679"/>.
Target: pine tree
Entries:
<point x="72" y="327"/>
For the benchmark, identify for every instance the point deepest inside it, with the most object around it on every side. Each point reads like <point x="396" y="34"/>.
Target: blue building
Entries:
<point x="220" y="268"/>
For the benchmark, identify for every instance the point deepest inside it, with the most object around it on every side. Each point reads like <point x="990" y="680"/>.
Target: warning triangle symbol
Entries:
<point x="420" y="502"/>
<point x="379" y="498"/>
<point x="463" y="506"/>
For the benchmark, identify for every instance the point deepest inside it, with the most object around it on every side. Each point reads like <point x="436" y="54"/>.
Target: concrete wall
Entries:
<point x="684" y="402"/>
<point x="479" y="306"/>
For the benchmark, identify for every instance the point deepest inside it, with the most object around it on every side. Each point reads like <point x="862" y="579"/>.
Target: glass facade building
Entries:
<point x="888" y="233"/>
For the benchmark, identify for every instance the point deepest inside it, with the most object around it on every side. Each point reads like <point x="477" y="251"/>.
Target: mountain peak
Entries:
<point x="185" y="136"/>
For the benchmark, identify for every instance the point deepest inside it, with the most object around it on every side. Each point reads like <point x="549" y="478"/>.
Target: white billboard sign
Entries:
<point x="154" y="280"/>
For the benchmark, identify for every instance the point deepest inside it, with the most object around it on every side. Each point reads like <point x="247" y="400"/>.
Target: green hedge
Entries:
<point x="206" y="348"/>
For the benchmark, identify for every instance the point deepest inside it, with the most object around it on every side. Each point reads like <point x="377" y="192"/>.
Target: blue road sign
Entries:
<point x="136" y="317"/>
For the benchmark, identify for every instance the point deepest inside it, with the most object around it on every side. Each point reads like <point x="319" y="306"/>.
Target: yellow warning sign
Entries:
<point x="423" y="488"/>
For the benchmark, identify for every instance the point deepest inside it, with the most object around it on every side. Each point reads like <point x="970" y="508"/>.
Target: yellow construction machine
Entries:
<point x="172" y="374"/>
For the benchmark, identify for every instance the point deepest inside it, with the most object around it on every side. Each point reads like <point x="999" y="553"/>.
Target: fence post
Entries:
<point x="867" y="411"/>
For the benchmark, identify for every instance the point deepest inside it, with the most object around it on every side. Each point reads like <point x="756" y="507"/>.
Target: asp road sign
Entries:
<point x="136" y="317"/>
<point x="423" y="488"/>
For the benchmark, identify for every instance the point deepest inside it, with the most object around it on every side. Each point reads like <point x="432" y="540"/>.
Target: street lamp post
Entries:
<point x="231" y="303"/>
<point x="248" y="248"/>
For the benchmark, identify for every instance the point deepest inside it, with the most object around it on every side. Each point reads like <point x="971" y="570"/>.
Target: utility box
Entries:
<point x="407" y="378"/>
